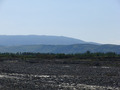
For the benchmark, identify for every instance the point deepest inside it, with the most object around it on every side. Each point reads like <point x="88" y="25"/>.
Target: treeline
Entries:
<point x="86" y="55"/>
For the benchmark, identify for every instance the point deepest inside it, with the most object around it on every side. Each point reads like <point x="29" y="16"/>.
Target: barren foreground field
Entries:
<point x="21" y="75"/>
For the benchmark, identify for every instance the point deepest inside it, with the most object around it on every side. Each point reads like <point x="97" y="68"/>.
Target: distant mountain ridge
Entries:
<point x="51" y="44"/>
<point x="76" y="48"/>
<point x="17" y="40"/>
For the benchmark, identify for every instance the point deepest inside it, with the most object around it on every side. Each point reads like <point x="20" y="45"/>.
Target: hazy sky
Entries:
<point x="89" y="20"/>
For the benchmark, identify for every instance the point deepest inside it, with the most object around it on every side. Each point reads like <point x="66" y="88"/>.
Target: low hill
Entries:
<point x="76" y="48"/>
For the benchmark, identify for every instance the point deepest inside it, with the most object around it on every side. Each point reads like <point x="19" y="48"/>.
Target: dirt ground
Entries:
<point x="19" y="75"/>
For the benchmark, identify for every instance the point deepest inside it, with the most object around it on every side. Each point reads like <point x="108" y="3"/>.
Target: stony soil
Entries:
<point x="19" y="75"/>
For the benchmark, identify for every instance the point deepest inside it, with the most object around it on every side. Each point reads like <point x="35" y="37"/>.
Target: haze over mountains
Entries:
<point x="17" y="40"/>
<point x="51" y="44"/>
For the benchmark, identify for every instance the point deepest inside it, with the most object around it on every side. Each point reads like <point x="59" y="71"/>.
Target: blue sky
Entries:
<point x="88" y="20"/>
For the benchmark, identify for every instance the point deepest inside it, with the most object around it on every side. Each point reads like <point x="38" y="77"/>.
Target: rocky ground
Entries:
<point x="19" y="75"/>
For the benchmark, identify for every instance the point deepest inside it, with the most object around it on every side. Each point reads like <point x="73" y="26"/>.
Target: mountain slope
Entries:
<point x="77" y="48"/>
<point x="16" y="40"/>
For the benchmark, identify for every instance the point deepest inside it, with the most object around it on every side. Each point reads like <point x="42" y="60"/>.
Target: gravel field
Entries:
<point x="19" y="75"/>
